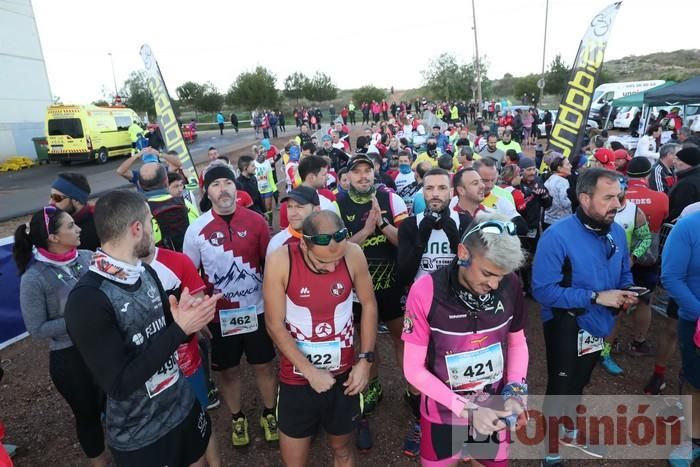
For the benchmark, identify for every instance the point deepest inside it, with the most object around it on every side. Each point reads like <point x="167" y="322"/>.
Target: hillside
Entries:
<point x="678" y="65"/>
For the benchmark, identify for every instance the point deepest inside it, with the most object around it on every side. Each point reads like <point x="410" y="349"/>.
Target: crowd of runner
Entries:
<point x="439" y="233"/>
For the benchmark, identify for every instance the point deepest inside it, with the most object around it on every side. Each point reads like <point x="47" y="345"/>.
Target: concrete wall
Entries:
<point x="24" y="84"/>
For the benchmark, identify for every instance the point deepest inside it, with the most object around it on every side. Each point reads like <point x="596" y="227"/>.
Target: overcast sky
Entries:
<point x="357" y="42"/>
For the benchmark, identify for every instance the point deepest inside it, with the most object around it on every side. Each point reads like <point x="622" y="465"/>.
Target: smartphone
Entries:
<point x="641" y="291"/>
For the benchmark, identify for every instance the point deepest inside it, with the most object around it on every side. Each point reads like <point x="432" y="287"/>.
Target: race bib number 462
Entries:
<point x="473" y="370"/>
<point x="322" y="355"/>
<point x="165" y="377"/>
<point x="238" y="321"/>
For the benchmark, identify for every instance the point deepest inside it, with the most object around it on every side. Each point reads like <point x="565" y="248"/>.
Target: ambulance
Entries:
<point x="88" y="133"/>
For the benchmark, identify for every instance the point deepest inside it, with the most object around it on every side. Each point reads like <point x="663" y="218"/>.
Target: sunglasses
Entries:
<point x="492" y="227"/>
<point x="48" y="210"/>
<point x="56" y="198"/>
<point x="325" y="239"/>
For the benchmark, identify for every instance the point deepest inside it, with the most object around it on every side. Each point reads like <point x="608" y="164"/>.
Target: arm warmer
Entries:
<point x="427" y="383"/>
<point x="518" y="358"/>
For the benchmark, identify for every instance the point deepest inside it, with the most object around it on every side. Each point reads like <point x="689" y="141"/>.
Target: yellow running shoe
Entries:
<point x="239" y="436"/>
<point x="269" y="425"/>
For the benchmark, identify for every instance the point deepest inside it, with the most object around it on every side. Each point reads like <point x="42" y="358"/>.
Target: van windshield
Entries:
<point x="66" y="127"/>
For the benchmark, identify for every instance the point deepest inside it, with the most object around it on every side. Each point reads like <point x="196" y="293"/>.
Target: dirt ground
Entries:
<point x="39" y="421"/>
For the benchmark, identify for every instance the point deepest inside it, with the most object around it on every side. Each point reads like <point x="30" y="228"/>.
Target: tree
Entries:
<point x="368" y="94"/>
<point x="447" y="79"/>
<point x="294" y="85"/>
<point x="137" y="95"/>
<point x="101" y="103"/>
<point x="320" y="88"/>
<point x="253" y="90"/>
<point x="526" y="85"/>
<point x="557" y="76"/>
<point x="189" y="92"/>
<point x="210" y="100"/>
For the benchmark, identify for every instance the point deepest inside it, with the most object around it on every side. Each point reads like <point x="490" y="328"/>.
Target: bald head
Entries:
<point x="153" y="177"/>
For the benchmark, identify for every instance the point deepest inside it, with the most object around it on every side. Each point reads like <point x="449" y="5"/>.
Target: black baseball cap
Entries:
<point x="358" y="159"/>
<point x="303" y="195"/>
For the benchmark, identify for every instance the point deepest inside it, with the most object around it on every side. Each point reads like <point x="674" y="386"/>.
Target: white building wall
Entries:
<point x="24" y="84"/>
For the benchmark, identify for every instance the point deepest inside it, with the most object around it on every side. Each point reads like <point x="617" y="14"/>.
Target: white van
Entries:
<point x="609" y="91"/>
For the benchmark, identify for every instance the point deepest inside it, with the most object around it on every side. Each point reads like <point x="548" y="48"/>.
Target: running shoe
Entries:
<point x="552" y="461"/>
<point x="684" y="455"/>
<point x="382" y="329"/>
<point x="213" y="399"/>
<point x="640" y="349"/>
<point x="372" y="397"/>
<point x="411" y="445"/>
<point x="598" y="451"/>
<point x="364" y="436"/>
<point x="239" y="436"/>
<point x="610" y="366"/>
<point x="656" y="384"/>
<point x="672" y="414"/>
<point x="11" y="449"/>
<point x="269" y="425"/>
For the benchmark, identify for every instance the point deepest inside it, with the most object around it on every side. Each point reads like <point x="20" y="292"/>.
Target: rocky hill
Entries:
<point x="678" y="65"/>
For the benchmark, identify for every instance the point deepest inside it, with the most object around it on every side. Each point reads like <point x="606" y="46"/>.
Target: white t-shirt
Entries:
<point x="402" y="180"/>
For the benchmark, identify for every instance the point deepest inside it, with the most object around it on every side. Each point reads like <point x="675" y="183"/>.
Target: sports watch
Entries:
<point x="369" y="356"/>
<point x="594" y="298"/>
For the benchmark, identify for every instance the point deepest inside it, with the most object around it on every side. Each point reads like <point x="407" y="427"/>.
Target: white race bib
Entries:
<point x="322" y="355"/>
<point x="238" y="321"/>
<point x="165" y="377"/>
<point x="475" y="369"/>
<point x="588" y="344"/>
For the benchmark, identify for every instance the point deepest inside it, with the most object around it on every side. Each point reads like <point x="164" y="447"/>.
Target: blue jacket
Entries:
<point x="553" y="286"/>
<point x="680" y="270"/>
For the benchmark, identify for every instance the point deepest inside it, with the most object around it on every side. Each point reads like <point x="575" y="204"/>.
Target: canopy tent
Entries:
<point x="637" y="100"/>
<point x="687" y="92"/>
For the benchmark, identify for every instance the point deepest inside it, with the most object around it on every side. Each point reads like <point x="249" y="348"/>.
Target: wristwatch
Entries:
<point x="594" y="298"/>
<point x="384" y="223"/>
<point x="369" y="356"/>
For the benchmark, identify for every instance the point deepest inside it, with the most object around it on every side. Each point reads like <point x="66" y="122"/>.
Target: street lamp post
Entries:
<point x="114" y="77"/>
<point x="478" y="66"/>
<point x="544" y="47"/>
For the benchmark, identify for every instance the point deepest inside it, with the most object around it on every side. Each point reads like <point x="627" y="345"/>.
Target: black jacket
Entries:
<point x="686" y="191"/>
<point x="250" y="186"/>
<point x="88" y="233"/>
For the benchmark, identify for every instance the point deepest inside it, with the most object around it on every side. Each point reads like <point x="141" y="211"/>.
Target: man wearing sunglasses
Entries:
<point x="579" y="276"/>
<point x="308" y="307"/>
<point x="70" y="193"/>
<point x="465" y="347"/>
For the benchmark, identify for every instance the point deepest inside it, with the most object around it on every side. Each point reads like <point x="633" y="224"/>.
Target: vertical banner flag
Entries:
<point x="570" y="125"/>
<point x="170" y="127"/>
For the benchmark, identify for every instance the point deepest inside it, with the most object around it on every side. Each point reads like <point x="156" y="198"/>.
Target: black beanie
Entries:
<point x="690" y="156"/>
<point x="215" y="173"/>
<point x="639" y="167"/>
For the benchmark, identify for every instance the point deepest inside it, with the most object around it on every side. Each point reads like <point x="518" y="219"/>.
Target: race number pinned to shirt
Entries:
<point x="238" y="321"/>
<point x="588" y="344"/>
<point x="475" y="369"/>
<point x="322" y="355"/>
<point x="165" y="377"/>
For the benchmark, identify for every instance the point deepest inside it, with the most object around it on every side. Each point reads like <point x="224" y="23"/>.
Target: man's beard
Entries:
<point x="144" y="247"/>
<point x="70" y="209"/>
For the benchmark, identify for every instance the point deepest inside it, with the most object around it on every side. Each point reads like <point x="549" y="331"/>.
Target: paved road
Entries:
<point x="23" y="192"/>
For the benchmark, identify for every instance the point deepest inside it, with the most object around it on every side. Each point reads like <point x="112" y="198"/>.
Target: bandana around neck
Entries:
<point x="46" y="256"/>
<point x="115" y="270"/>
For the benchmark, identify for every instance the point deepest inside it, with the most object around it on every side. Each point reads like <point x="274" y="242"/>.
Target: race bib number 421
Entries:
<point x="238" y="321"/>
<point x="473" y="370"/>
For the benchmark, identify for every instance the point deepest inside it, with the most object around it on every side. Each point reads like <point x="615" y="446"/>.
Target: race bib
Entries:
<point x="163" y="378"/>
<point x="238" y="321"/>
<point x="588" y="344"/>
<point x="322" y="355"/>
<point x="475" y="369"/>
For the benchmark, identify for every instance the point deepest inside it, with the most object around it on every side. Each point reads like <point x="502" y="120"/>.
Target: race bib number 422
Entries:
<point x="473" y="370"/>
<point x="165" y="377"/>
<point x="322" y="355"/>
<point x="238" y="321"/>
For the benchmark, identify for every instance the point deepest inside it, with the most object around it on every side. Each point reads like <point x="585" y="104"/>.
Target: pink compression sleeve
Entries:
<point x="427" y="383"/>
<point x="518" y="357"/>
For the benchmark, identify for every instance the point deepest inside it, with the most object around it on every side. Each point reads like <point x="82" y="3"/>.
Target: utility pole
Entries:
<point x="114" y="77"/>
<point x="478" y="65"/>
<point x="541" y="83"/>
